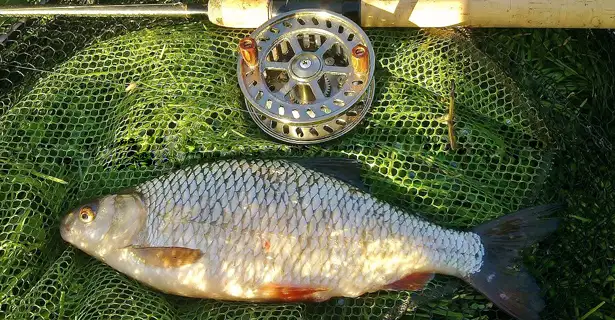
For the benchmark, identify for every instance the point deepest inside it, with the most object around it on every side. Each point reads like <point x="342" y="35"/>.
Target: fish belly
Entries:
<point x="273" y="230"/>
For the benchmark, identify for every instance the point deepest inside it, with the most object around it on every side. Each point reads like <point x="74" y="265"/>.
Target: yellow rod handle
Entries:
<point x="489" y="13"/>
<point x="239" y="13"/>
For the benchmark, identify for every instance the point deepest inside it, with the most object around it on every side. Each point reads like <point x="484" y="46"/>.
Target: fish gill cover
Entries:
<point x="92" y="106"/>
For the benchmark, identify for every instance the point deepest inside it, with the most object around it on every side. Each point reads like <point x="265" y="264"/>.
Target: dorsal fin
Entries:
<point x="347" y="170"/>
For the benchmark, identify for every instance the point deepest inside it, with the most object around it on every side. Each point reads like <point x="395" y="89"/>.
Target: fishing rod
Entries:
<point x="598" y="14"/>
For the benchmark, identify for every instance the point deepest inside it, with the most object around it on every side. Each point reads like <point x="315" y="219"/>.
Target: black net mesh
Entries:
<point x="91" y="106"/>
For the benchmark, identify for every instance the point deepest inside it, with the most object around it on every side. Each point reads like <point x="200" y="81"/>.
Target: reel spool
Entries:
<point x="307" y="76"/>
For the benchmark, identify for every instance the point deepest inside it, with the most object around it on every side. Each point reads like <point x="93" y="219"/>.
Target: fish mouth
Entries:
<point x="65" y="229"/>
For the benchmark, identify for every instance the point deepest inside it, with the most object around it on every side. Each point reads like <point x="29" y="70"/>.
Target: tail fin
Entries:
<point x="514" y="291"/>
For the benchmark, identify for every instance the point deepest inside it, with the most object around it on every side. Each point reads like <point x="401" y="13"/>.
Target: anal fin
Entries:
<point x="289" y="293"/>
<point x="411" y="282"/>
<point x="167" y="257"/>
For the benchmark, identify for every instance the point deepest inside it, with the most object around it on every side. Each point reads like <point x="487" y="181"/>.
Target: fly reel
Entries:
<point x="307" y="76"/>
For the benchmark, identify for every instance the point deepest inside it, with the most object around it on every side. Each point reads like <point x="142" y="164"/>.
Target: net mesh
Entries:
<point x="91" y="106"/>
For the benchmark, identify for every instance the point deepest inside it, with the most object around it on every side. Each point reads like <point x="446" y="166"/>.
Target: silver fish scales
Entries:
<point x="272" y="230"/>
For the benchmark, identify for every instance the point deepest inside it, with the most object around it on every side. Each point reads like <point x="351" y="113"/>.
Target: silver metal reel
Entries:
<point x="307" y="76"/>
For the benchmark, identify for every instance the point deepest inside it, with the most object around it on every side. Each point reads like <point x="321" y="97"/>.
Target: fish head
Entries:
<point x="105" y="224"/>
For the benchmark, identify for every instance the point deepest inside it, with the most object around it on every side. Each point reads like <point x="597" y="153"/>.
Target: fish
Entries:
<point x="297" y="230"/>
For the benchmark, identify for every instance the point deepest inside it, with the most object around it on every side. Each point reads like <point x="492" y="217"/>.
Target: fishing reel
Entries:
<point x="307" y="76"/>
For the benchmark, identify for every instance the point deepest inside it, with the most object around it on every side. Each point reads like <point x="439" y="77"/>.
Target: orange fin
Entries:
<point x="289" y="293"/>
<point x="413" y="282"/>
<point x="167" y="257"/>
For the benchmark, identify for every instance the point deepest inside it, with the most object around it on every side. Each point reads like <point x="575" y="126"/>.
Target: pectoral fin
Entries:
<point x="167" y="257"/>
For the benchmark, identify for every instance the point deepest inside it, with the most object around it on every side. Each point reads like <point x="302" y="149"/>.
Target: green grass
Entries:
<point x="572" y="75"/>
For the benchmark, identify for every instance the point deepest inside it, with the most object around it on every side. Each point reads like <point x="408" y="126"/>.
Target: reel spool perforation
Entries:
<point x="305" y="87"/>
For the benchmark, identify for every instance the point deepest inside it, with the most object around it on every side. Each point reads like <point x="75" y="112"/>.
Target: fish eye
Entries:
<point x="86" y="215"/>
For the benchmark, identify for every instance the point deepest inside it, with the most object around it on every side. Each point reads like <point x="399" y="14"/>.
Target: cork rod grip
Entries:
<point x="238" y="13"/>
<point x="489" y="13"/>
<point x="435" y="13"/>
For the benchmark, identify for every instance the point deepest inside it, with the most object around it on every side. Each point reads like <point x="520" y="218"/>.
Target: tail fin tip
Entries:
<point x="514" y="291"/>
